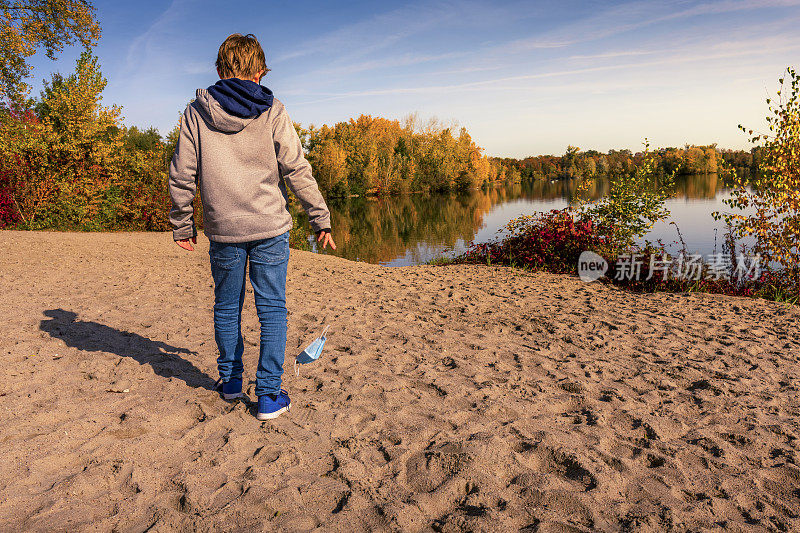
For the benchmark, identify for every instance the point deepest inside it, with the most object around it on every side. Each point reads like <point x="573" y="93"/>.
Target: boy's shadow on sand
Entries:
<point x="95" y="337"/>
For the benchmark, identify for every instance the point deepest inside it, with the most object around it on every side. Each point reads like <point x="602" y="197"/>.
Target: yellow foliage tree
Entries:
<point x="773" y="194"/>
<point x="63" y="159"/>
<point x="330" y="164"/>
<point x="29" y="25"/>
<point x="72" y="108"/>
<point x="381" y="156"/>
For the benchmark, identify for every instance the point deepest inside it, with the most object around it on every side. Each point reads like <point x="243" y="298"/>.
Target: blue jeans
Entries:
<point x="269" y="259"/>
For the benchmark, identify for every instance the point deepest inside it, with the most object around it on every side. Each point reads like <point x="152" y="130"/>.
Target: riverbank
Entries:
<point x="459" y="397"/>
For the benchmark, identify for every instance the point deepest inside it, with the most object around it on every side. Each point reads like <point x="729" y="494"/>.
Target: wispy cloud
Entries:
<point x="143" y="47"/>
<point x="467" y="70"/>
<point x="197" y="67"/>
<point x="384" y="33"/>
<point x="376" y="35"/>
<point x="633" y="16"/>
<point x="615" y="55"/>
<point x="365" y="37"/>
<point x="728" y="50"/>
<point x="404" y="60"/>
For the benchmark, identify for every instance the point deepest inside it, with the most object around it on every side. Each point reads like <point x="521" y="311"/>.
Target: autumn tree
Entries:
<point x="70" y="164"/>
<point x="73" y="108"/>
<point x="700" y="159"/>
<point x="330" y="165"/>
<point x="373" y="155"/>
<point x="30" y="25"/>
<point x="143" y="140"/>
<point x="68" y="152"/>
<point x="773" y="193"/>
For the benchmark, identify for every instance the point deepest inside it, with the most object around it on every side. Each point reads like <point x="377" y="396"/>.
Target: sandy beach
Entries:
<point x="460" y="398"/>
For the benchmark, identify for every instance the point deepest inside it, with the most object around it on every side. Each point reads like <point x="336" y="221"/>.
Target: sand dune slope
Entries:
<point x="447" y="399"/>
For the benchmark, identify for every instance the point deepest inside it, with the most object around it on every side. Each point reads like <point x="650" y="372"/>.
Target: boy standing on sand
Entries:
<point x="237" y="141"/>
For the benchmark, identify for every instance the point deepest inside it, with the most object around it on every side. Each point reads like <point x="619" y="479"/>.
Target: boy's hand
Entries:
<point x="325" y="238"/>
<point x="186" y="245"/>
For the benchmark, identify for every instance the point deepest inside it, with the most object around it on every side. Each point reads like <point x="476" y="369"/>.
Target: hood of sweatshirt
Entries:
<point x="231" y="104"/>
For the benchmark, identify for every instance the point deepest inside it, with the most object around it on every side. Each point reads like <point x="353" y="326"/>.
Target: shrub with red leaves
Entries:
<point x="8" y="212"/>
<point x="550" y="241"/>
<point x="9" y="216"/>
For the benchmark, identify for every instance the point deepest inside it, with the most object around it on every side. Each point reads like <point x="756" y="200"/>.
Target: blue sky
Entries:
<point x="525" y="78"/>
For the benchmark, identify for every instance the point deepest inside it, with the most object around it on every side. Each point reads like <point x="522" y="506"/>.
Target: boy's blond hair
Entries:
<point x="241" y="56"/>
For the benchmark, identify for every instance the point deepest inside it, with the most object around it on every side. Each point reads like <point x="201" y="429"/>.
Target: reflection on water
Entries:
<point x="415" y="228"/>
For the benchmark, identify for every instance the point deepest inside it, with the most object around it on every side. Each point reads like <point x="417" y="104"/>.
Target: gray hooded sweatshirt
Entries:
<point x="241" y="165"/>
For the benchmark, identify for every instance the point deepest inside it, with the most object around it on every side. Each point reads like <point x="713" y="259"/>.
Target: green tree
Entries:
<point x="634" y="202"/>
<point x="148" y="140"/>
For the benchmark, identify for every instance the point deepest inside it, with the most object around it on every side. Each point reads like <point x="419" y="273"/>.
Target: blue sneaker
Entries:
<point x="230" y="389"/>
<point x="272" y="406"/>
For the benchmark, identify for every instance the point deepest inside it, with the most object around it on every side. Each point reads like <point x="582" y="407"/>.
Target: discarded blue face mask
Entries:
<point x="312" y="351"/>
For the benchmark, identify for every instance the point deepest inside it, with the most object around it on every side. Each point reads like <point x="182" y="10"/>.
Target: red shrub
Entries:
<point x="551" y="241"/>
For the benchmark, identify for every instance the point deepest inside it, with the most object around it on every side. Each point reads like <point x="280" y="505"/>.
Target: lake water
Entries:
<point x="413" y="229"/>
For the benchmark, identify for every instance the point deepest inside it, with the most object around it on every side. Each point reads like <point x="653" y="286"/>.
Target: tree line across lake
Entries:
<point x="688" y="160"/>
<point x="379" y="156"/>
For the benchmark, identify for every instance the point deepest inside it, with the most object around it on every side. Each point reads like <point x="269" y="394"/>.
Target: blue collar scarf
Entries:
<point x="241" y="98"/>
